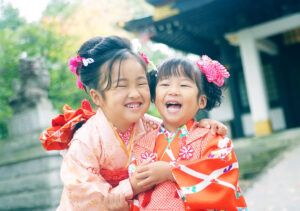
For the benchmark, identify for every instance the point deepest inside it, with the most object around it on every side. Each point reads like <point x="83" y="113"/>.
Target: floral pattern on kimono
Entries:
<point x="96" y="164"/>
<point x="206" y="173"/>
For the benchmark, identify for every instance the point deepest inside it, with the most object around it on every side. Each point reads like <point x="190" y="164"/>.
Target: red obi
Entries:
<point x="113" y="177"/>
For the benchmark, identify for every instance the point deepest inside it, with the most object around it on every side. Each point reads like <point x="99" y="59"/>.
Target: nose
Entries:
<point x="133" y="93"/>
<point x="173" y="90"/>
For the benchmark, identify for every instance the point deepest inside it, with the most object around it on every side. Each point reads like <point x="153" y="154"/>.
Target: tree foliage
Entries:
<point x="56" y="37"/>
<point x="36" y="40"/>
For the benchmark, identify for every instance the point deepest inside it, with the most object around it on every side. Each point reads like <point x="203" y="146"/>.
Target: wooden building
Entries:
<point x="259" y="42"/>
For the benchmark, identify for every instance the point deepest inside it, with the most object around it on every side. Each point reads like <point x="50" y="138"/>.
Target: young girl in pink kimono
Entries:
<point x="94" y="168"/>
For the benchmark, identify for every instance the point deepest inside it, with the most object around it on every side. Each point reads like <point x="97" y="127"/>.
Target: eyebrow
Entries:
<point x="141" y="77"/>
<point x="125" y="80"/>
<point x="186" y="79"/>
<point x="119" y="80"/>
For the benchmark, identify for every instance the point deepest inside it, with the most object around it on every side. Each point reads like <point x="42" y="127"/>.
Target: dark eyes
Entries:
<point x="185" y="85"/>
<point x="139" y="84"/>
<point x="164" y="84"/>
<point x="121" y="85"/>
<point x="181" y="85"/>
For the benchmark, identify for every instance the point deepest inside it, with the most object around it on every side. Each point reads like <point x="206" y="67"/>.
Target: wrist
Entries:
<point x="171" y="177"/>
<point x="133" y="185"/>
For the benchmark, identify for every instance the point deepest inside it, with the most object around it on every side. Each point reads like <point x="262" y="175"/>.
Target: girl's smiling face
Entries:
<point x="128" y="98"/>
<point x="176" y="98"/>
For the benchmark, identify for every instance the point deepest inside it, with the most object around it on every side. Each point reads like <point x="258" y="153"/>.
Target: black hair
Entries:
<point x="104" y="51"/>
<point x="185" y="67"/>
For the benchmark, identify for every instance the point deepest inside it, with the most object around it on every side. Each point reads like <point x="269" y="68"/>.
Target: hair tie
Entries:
<point x="75" y="63"/>
<point x="213" y="70"/>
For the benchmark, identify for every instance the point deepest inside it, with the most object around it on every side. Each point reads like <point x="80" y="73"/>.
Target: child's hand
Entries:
<point x="153" y="173"/>
<point x="135" y="181"/>
<point x="116" y="202"/>
<point x="216" y="126"/>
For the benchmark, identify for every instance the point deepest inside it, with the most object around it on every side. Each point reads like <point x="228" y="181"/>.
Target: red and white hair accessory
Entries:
<point x="213" y="70"/>
<point x="75" y="63"/>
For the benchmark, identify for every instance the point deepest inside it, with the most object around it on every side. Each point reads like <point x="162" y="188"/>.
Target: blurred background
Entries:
<point x="259" y="43"/>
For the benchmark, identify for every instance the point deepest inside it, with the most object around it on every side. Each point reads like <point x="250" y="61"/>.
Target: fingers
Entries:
<point x="115" y="202"/>
<point x="222" y="130"/>
<point x="214" y="129"/>
<point x="215" y="126"/>
<point x="121" y="200"/>
<point x="142" y="176"/>
<point x="204" y="123"/>
<point x="146" y="183"/>
<point x="145" y="162"/>
<point x="218" y="128"/>
<point x="142" y="168"/>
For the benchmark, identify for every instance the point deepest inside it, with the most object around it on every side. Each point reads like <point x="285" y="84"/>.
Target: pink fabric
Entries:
<point x="94" y="147"/>
<point x="213" y="70"/>
<point x="125" y="136"/>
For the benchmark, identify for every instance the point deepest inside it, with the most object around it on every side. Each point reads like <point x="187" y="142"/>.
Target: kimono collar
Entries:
<point x="185" y="131"/>
<point x="148" y="141"/>
<point x="106" y="130"/>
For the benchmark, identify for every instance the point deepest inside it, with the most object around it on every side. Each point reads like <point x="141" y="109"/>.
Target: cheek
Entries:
<point x="145" y="93"/>
<point x="158" y="102"/>
<point x="159" y="92"/>
<point x="117" y="96"/>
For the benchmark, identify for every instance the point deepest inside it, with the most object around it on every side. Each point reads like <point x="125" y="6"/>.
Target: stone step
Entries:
<point x="34" y="166"/>
<point x="42" y="199"/>
<point x="30" y="183"/>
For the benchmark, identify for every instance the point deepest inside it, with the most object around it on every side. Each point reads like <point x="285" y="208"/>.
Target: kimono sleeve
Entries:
<point x="211" y="182"/>
<point x="84" y="187"/>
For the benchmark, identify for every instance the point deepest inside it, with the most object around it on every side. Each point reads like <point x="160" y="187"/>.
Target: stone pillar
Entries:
<point x="255" y="84"/>
<point x="228" y="55"/>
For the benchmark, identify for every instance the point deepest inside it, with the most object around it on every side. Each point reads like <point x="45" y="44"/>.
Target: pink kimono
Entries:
<point x="96" y="164"/>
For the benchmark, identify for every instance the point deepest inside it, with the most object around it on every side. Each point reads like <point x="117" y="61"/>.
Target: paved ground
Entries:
<point x="278" y="188"/>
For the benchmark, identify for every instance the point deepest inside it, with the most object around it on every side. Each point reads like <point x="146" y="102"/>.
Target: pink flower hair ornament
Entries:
<point x="213" y="70"/>
<point x="145" y="58"/>
<point x="148" y="61"/>
<point x="75" y="63"/>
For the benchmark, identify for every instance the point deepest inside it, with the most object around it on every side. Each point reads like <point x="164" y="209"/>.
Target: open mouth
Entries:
<point x="173" y="106"/>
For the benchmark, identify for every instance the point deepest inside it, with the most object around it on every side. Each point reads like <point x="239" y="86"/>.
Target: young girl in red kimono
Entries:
<point x="98" y="153"/>
<point x="194" y="169"/>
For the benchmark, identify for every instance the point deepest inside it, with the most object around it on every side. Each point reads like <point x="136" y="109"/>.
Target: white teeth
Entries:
<point x="133" y="105"/>
<point x="173" y="109"/>
<point x="172" y="103"/>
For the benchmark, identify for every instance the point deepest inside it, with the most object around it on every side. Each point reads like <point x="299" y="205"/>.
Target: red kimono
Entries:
<point x="205" y="169"/>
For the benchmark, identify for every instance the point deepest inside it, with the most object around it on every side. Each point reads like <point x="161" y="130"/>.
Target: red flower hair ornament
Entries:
<point x="75" y="63"/>
<point x="213" y="70"/>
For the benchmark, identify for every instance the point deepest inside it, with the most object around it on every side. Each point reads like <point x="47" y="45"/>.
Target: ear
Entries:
<point x="96" y="97"/>
<point x="202" y="102"/>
